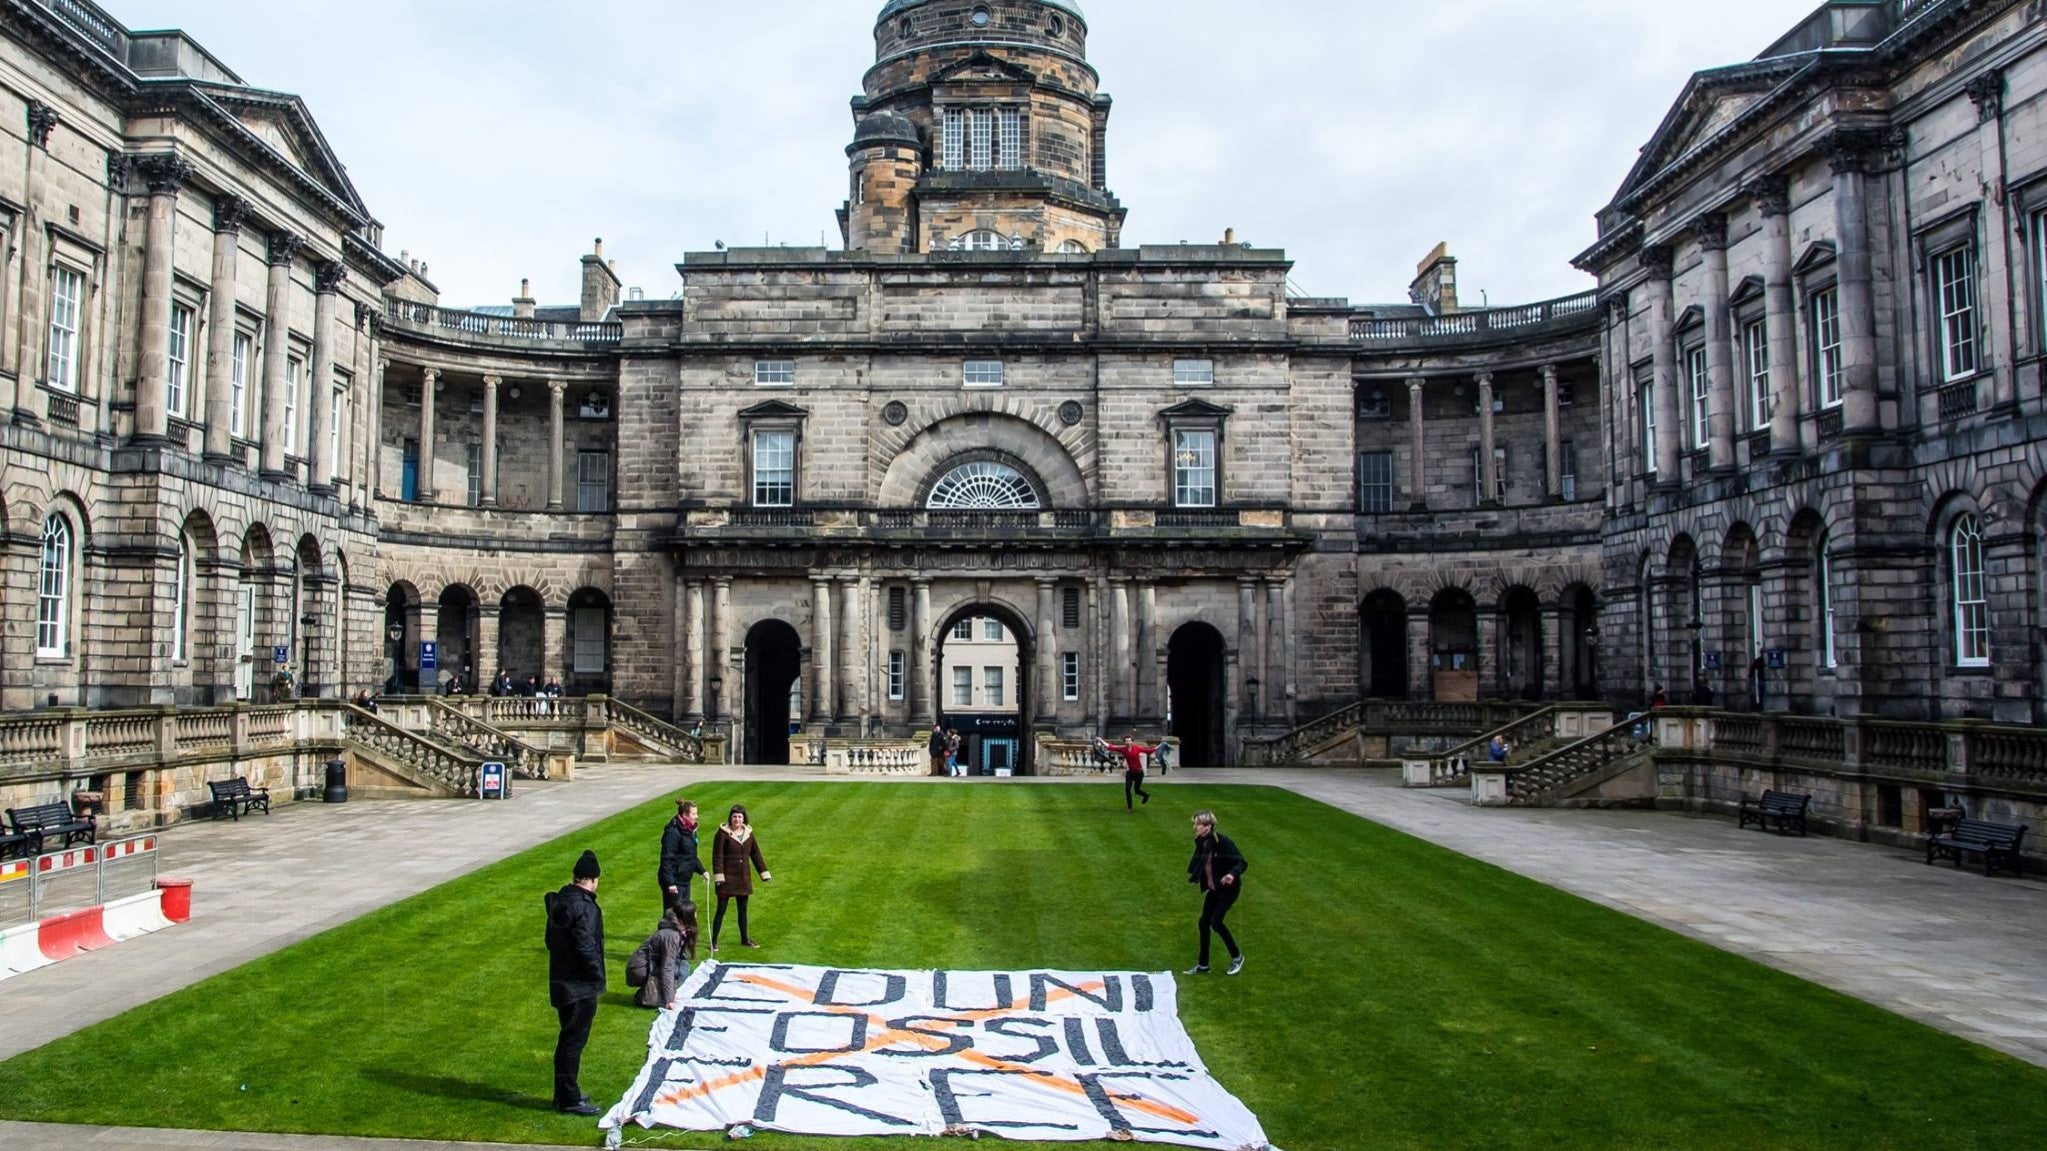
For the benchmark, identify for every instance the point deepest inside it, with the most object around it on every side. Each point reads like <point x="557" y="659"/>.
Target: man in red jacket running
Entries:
<point x="1134" y="754"/>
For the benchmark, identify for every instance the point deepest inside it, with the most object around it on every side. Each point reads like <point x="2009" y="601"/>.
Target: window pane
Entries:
<point x="1648" y="403"/>
<point x="67" y="289"/>
<point x="1695" y="376"/>
<point x="991" y="682"/>
<point x="1011" y="145"/>
<point x="590" y="626"/>
<point x="983" y="142"/>
<point x="955" y="156"/>
<point x="1954" y="276"/>
<point x="964" y="629"/>
<point x="983" y="373"/>
<point x="963" y="687"/>
<point x="897" y="667"/>
<point x="1194" y="469"/>
<point x="774" y="469"/>
<point x="1755" y="342"/>
<point x="593" y="481"/>
<point x="991" y="630"/>
<point x="181" y="586"/>
<point x="774" y="373"/>
<point x="54" y="589"/>
<point x="1824" y="579"/>
<point x="238" y="385"/>
<point x="1971" y="605"/>
<point x="292" y="367"/>
<point x="1375" y="482"/>
<point x="179" y="351"/>
<point x="1826" y="341"/>
<point x="1193" y="371"/>
<point x="1069" y="676"/>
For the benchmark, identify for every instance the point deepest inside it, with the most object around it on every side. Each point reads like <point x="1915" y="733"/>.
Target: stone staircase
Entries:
<point x="391" y="761"/>
<point x="1316" y="741"/>
<point x="1529" y="738"/>
<point x="452" y="727"/>
<point x="635" y="733"/>
<point x="1570" y="774"/>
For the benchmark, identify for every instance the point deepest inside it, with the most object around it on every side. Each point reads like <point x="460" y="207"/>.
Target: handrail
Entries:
<point x="489" y="326"/>
<point x="1454" y="764"/>
<point x="1368" y="329"/>
<point x="520" y="758"/>
<point x="644" y="726"/>
<point x="457" y="769"/>
<point x="1280" y="748"/>
<point x="1572" y="761"/>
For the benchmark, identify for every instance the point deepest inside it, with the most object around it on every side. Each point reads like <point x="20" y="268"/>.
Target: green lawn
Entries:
<point x="1398" y="995"/>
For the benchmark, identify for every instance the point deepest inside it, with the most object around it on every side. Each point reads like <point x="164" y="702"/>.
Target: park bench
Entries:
<point x="1997" y="843"/>
<point x="1787" y="808"/>
<point x="234" y="797"/>
<point x="45" y="823"/>
<point x="12" y="844"/>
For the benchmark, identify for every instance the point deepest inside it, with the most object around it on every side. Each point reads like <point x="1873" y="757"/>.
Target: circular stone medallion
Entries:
<point x="1070" y="413"/>
<point x="895" y="413"/>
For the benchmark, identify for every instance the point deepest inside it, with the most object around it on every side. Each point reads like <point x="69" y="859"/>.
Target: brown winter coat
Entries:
<point x="729" y="860"/>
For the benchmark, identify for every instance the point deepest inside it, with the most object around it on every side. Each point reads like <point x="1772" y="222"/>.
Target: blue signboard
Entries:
<point x="1774" y="659"/>
<point x="429" y="656"/>
<point x="1712" y="661"/>
<point x="493" y="780"/>
<point x="281" y="653"/>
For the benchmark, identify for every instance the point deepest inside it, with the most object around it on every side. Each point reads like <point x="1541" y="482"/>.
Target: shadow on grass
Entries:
<point x="461" y="1090"/>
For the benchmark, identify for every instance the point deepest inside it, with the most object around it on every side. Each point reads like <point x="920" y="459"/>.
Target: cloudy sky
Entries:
<point x="496" y="139"/>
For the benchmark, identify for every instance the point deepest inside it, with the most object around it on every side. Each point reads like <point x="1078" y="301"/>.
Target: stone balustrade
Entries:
<point x="429" y="319"/>
<point x="1526" y="737"/>
<point x="1478" y="325"/>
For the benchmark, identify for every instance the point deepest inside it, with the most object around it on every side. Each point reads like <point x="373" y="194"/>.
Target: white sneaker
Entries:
<point x="1197" y="969"/>
<point x="1236" y="965"/>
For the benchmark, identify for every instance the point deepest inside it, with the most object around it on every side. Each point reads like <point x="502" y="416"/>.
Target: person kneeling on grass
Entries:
<point x="658" y="966"/>
<point x="1218" y="869"/>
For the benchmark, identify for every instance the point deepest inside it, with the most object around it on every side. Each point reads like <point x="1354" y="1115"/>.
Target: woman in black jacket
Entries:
<point x="1218" y="869"/>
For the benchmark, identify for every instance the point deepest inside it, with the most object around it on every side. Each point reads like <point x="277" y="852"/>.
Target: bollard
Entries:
<point x="177" y="898"/>
<point x="337" y="781"/>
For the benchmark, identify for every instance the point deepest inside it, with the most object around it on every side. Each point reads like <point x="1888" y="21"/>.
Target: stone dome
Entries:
<point x="894" y="7"/>
<point x="886" y="128"/>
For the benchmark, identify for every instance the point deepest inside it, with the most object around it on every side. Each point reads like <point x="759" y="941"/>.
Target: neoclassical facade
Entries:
<point x="244" y="440"/>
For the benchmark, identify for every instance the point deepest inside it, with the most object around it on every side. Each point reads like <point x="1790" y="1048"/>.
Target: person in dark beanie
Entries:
<point x="575" y="978"/>
<point x="679" y="862"/>
<point x="1218" y="869"/>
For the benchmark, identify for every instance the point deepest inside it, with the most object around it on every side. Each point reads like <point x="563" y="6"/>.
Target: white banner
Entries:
<point x="1042" y="1055"/>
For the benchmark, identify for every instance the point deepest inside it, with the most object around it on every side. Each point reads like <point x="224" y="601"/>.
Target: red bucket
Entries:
<point x="177" y="899"/>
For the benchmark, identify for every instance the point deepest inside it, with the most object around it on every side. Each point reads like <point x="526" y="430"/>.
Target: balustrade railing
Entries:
<point x="655" y="732"/>
<point x="2015" y="754"/>
<point x="118" y="733"/>
<point x="1524" y="736"/>
<point x="521" y="759"/>
<point x="461" y="772"/>
<point x="202" y="730"/>
<point x="1531" y="781"/>
<point x="1904" y="747"/>
<point x="28" y="738"/>
<point x="1812" y="739"/>
<point x="1741" y="734"/>
<point x="880" y="758"/>
<point x="1287" y="747"/>
<point x="1457" y="325"/>
<point x="495" y="327"/>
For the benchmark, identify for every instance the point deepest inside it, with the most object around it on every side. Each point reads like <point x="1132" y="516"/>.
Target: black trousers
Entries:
<point x="576" y="1016"/>
<point x="718" y="920"/>
<point x="1215" y="905"/>
<point x="1134" y="781"/>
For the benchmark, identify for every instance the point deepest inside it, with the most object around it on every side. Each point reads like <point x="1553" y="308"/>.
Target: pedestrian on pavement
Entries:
<point x="575" y="978"/>
<point x="679" y="862"/>
<point x="952" y="752"/>
<point x="1134" y="754"/>
<point x="733" y="849"/>
<point x="663" y="961"/>
<point x="1218" y="869"/>
<point x="938" y="764"/>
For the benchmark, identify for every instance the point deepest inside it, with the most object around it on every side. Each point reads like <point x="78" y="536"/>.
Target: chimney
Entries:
<point x="1229" y="237"/>
<point x="1435" y="282"/>
<point x="522" y="304"/>
<point x="600" y="285"/>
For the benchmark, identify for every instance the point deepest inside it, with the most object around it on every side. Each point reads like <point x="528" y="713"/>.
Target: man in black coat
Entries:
<point x="679" y="860"/>
<point x="1218" y="869"/>
<point x="575" y="978"/>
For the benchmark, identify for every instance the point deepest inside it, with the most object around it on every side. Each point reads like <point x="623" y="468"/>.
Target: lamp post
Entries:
<point x="1701" y="694"/>
<point x="395" y="649"/>
<point x="1251" y="686"/>
<point x="717" y="693"/>
<point x="1592" y="657"/>
<point x="306" y="622"/>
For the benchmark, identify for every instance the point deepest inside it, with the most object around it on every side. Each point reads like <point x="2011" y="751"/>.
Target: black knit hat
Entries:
<point x="586" y="867"/>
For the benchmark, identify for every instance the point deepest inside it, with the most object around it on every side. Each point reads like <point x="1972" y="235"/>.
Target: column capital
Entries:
<point x="430" y="374"/>
<point x="284" y="246"/>
<point x="1772" y="194"/>
<point x="1549" y="375"/>
<point x="1710" y="230"/>
<point x="230" y="212"/>
<point x="1485" y="379"/>
<point x="1248" y="582"/>
<point x="492" y="382"/>
<point x="1987" y="93"/>
<point x="923" y="582"/>
<point x="1655" y="259"/>
<point x="163" y="172"/>
<point x="557" y="387"/>
<point x="328" y="276"/>
<point x="1047" y="583"/>
<point x="1415" y="384"/>
<point x="368" y="319"/>
<point x="41" y="119"/>
<point x="1851" y="149"/>
<point x="721" y="583"/>
<point x="1617" y="307"/>
<point x="383" y="365"/>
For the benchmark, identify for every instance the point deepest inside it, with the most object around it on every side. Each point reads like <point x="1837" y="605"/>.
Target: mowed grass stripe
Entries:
<point x="1398" y="995"/>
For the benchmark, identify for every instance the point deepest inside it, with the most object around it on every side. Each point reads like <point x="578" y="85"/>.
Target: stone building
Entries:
<point x="245" y="439"/>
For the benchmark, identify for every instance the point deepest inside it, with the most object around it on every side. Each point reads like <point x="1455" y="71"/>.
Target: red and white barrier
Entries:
<point x="70" y="933"/>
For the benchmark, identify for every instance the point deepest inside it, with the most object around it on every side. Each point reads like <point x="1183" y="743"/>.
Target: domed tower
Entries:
<point x="981" y="128"/>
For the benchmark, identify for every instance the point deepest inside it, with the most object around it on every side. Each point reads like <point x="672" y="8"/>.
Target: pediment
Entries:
<point x="984" y="68"/>
<point x="1751" y="287"/>
<point x="274" y="132"/>
<point x="1711" y="103"/>
<point x="1818" y="254"/>
<point x="774" y="410"/>
<point x="1196" y="410"/>
<point x="278" y="126"/>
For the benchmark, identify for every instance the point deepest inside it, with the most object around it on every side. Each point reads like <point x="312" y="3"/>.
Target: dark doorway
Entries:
<point x="1521" y="636"/>
<point x="1194" y="683"/>
<point x="1384" y="622"/>
<point x="1581" y="642"/>
<point x="774" y="662"/>
<point x="455" y="635"/>
<point x="521" y="635"/>
<point x="982" y="688"/>
<point x="589" y="639"/>
<point x="401" y="639"/>
<point x="1453" y="647"/>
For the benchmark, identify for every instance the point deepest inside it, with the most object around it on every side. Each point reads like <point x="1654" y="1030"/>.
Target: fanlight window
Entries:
<point x="984" y="486"/>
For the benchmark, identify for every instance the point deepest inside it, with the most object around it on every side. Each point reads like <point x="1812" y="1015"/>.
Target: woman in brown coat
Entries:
<point x="733" y="850"/>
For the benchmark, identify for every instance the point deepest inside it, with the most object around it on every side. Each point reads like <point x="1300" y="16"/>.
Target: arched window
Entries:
<point x="53" y="599"/>
<point x="1072" y="248"/>
<point x="1971" y="615"/>
<point x="181" y="604"/>
<point x="1823" y="593"/>
<point x="984" y="486"/>
<point x="981" y="241"/>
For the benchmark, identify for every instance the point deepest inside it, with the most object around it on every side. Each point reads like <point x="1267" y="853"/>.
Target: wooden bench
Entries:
<point x="1997" y="843"/>
<point x="1787" y="808"/>
<point x="45" y="823"/>
<point x="234" y="797"/>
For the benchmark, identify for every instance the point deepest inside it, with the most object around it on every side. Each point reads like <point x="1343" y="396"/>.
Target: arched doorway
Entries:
<point x="251" y="611"/>
<point x="1521" y="646"/>
<point x="1195" y="660"/>
<point x="1580" y="643"/>
<point x="984" y="692"/>
<point x="401" y="639"/>
<point x="455" y="636"/>
<point x="774" y="666"/>
<point x="307" y="580"/>
<point x="1453" y="646"/>
<point x="1383" y="622"/>
<point x="521" y="635"/>
<point x="589" y="639"/>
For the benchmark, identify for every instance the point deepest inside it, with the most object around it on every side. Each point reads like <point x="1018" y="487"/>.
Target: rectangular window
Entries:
<point x="1193" y="371"/>
<point x="1069" y="676"/>
<point x="963" y="687"/>
<point x="1826" y="345"/>
<point x="1698" y="387"/>
<point x="898" y="672"/>
<point x="593" y="481"/>
<point x="898" y="609"/>
<point x="1567" y="395"/>
<point x="774" y="373"/>
<point x="474" y="452"/>
<point x="1755" y="352"/>
<point x="178" y="351"/>
<point x="1972" y="605"/>
<point x="991" y="686"/>
<point x="981" y="145"/>
<point x="337" y="405"/>
<point x="1499" y="476"/>
<point x="955" y="157"/>
<point x="1010" y="150"/>
<point x="1755" y="621"/>
<point x="590" y="626"/>
<point x="238" y="385"/>
<point x="408" y="482"/>
<point x="1193" y="468"/>
<point x="293" y="368"/>
<point x="964" y="629"/>
<point x="774" y="469"/>
<point x="1375" y="482"/>
<point x="1647" y="399"/>
<point x="991" y="630"/>
<point x="1829" y="657"/>
<point x="1954" y="288"/>
<point x="982" y="373"/>
<point x="1567" y="471"/>
<point x="67" y="292"/>
<point x="1070" y="613"/>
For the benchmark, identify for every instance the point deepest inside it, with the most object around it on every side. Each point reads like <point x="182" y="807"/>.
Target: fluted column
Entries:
<point x="429" y="381"/>
<point x="1248" y="603"/>
<point x="1488" y="467"/>
<point x="693" y="653"/>
<point x="1122" y="668"/>
<point x="720" y="662"/>
<point x="1852" y="259"/>
<point x="1622" y="453"/>
<point x="327" y="280"/>
<point x="1657" y="262"/>
<point x="555" y="388"/>
<point x="1152" y="684"/>
<point x="31" y="298"/>
<point x="489" y="493"/>
<point x="1712" y="234"/>
<point x="821" y="649"/>
<point x="921" y="712"/>
<point x="1418" y="497"/>
<point x="229" y="212"/>
<point x="1048" y="659"/>
<point x="852" y="664"/>
<point x="284" y="247"/>
<point x="376" y="428"/>
<point x="164" y="174"/>
<point x="1552" y="435"/>
<point x="1272" y="660"/>
<point x="1773" y="197"/>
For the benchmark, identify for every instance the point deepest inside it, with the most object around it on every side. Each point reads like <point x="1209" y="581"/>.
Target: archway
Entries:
<point x="984" y="690"/>
<point x="1686" y="612"/>
<point x="521" y="634"/>
<point x="1580" y="644"/>
<point x="1453" y="646"/>
<point x="1741" y="560"/>
<point x="307" y="580"/>
<point x="252" y="609"/>
<point x="455" y="634"/>
<point x="1521" y="644"/>
<point x="589" y="639"/>
<point x="1195" y="659"/>
<point x="774" y="666"/>
<point x="1383" y="622"/>
<point x="401" y="639"/>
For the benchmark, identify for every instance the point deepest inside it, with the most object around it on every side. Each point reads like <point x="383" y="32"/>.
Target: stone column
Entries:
<point x="555" y="388"/>
<point x="1272" y="635"/>
<point x="1419" y="497"/>
<point x="1773" y="197"/>
<point x="1987" y="92"/>
<point x="1048" y="658"/>
<point x="1248" y="641"/>
<point x="284" y="248"/>
<point x="852" y="662"/>
<point x="429" y="381"/>
<point x="820" y="649"/>
<point x="229" y="212"/>
<point x="1152" y="685"/>
<point x="720" y="662"/>
<point x="1093" y="693"/>
<point x="489" y="491"/>
<point x="1289" y="653"/>
<point x="485" y="660"/>
<point x="693" y="653"/>
<point x="327" y="279"/>
<point x="1657" y="262"/>
<point x="1488" y="467"/>
<point x="921" y="712"/>
<point x="31" y="300"/>
<point x="1852" y="258"/>
<point x="1552" y="435"/>
<point x="375" y="423"/>
<point x="1712" y="234"/>
<point x="1620" y="393"/>
<point x="164" y="173"/>
<point x="1122" y="666"/>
